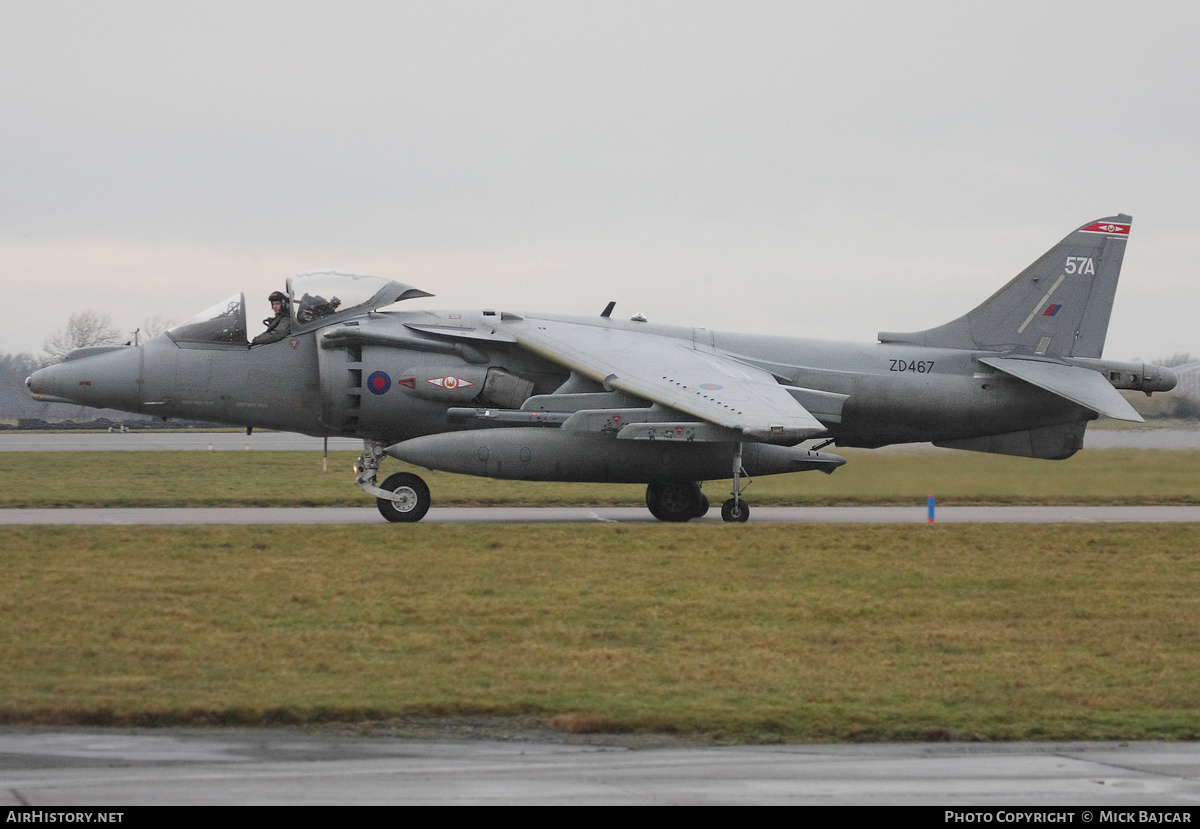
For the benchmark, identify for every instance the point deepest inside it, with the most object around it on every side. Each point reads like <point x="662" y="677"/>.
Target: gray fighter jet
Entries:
<point x="542" y="397"/>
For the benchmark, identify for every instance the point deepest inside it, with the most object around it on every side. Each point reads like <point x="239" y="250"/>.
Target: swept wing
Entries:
<point x="707" y="385"/>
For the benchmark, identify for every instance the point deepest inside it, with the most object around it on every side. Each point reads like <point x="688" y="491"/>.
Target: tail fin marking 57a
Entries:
<point x="1057" y="307"/>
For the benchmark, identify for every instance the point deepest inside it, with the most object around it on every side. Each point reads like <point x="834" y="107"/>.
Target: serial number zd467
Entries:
<point x="919" y="366"/>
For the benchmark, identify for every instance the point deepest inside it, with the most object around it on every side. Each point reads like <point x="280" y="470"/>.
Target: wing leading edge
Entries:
<point x="712" y="387"/>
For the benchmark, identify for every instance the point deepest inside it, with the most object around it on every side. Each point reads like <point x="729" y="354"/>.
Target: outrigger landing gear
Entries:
<point x="735" y="509"/>
<point x="676" y="500"/>
<point x="404" y="497"/>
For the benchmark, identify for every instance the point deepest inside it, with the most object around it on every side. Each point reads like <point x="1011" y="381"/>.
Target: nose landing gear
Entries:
<point x="403" y="498"/>
<point x="408" y="499"/>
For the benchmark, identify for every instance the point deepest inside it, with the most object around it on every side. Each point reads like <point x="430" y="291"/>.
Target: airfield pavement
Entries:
<point x="590" y="515"/>
<point x="100" y="767"/>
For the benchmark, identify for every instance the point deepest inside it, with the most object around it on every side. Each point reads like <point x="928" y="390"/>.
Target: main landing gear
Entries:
<point x="403" y="498"/>
<point x="676" y="501"/>
<point x="683" y="500"/>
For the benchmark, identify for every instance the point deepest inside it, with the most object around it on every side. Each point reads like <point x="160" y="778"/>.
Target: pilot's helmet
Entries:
<point x="277" y="296"/>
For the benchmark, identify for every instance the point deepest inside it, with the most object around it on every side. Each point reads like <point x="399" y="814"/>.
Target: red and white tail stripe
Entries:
<point x="1111" y="228"/>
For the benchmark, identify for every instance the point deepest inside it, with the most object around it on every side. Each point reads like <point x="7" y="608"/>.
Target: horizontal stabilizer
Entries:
<point x="1079" y="385"/>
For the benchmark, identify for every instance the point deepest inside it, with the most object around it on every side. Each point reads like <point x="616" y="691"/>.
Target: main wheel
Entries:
<point x="412" y="498"/>
<point x="674" y="501"/>
<point x="702" y="509"/>
<point x="736" y="510"/>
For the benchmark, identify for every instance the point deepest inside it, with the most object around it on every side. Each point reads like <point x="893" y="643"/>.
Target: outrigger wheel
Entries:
<point x="410" y="499"/>
<point x="735" y="509"/>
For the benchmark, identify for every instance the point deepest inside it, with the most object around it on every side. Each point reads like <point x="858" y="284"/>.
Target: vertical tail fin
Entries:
<point x="1057" y="307"/>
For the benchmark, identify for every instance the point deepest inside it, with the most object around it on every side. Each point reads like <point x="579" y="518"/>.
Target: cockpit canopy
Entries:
<point x="225" y="322"/>
<point x="313" y="296"/>
<point x="319" y="294"/>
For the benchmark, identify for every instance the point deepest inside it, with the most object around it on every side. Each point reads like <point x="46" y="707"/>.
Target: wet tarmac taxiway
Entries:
<point x="102" y="767"/>
<point x="608" y="515"/>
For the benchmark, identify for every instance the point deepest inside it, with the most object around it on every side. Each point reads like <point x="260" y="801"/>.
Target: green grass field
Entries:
<point x="154" y="479"/>
<point x="730" y="633"/>
<point x="727" y="633"/>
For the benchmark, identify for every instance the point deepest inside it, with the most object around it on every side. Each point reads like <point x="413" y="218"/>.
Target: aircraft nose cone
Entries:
<point x="103" y="380"/>
<point x="46" y="385"/>
<point x="36" y="382"/>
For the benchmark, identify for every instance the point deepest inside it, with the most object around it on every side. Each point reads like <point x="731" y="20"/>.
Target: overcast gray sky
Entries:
<point x="814" y="169"/>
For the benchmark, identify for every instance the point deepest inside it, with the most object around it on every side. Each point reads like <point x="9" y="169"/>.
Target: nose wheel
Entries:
<point x="403" y="497"/>
<point x="409" y="499"/>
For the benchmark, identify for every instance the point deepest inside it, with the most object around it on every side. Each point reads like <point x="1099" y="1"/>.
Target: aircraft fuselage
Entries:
<point x="556" y="398"/>
<point x="893" y="393"/>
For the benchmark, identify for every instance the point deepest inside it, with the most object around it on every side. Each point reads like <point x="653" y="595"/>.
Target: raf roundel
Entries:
<point x="379" y="382"/>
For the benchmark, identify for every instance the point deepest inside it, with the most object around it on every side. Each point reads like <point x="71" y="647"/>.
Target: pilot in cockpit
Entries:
<point x="278" y="326"/>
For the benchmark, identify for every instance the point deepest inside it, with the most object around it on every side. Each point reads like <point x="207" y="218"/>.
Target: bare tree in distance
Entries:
<point x="1177" y="359"/>
<point x="84" y="328"/>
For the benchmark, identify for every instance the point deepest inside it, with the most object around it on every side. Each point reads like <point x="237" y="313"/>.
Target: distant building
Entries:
<point x="1189" y="379"/>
